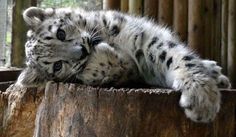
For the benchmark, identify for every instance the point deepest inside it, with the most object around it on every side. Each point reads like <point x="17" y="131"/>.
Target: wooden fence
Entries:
<point x="208" y="26"/>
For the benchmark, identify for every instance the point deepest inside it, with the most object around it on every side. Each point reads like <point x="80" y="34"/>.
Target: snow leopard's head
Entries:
<point x="54" y="49"/>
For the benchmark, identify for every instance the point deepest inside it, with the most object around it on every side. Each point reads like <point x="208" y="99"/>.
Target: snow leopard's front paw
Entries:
<point x="214" y="71"/>
<point x="200" y="100"/>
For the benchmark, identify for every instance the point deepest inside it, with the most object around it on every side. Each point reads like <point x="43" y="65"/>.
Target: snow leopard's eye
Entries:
<point x="96" y="41"/>
<point x="57" y="66"/>
<point x="61" y="34"/>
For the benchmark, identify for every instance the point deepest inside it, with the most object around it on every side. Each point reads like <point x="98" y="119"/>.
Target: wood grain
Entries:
<point x="124" y="5"/>
<point x="232" y="42"/>
<point x="74" y="110"/>
<point x="195" y="26"/>
<point x="181" y="18"/>
<point x="111" y="4"/>
<point x="19" y="30"/>
<point x="136" y="7"/>
<point x="224" y="34"/>
<point x="151" y="9"/>
<point x="165" y="12"/>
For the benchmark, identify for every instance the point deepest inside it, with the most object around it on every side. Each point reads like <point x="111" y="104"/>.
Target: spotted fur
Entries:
<point x="128" y="48"/>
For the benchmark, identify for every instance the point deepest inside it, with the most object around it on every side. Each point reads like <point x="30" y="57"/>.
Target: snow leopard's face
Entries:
<point x="54" y="49"/>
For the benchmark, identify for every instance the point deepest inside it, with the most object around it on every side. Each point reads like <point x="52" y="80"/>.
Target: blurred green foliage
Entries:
<point x="8" y="39"/>
<point x="60" y="3"/>
<point x="87" y="4"/>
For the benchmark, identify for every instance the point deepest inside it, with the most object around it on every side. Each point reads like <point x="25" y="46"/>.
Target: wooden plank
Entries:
<point x="75" y="110"/>
<point x="151" y="9"/>
<point x="232" y="42"/>
<point x="7" y="74"/>
<point x="216" y="31"/>
<point x="165" y="11"/>
<point x="111" y="4"/>
<point x="207" y="29"/>
<point x="181" y="18"/>
<point x="224" y="35"/>
<point x="136" y="7"/>
<point x="5" y="85"/>
<point x="18" y="33"/>
<point x="124" y="5"/>
<point x="195" y="26"/>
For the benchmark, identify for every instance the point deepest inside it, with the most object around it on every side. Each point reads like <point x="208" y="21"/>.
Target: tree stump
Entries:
<point x="71" y="110"/>
<point x="18" y="107"/>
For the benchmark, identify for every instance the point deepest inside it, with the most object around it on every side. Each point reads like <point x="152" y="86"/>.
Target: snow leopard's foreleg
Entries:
<point x="174" y="66"/>
<point x="106" y="66"/>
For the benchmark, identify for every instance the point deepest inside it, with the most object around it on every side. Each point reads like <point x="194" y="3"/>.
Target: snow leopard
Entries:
<point x="113" y="48"/>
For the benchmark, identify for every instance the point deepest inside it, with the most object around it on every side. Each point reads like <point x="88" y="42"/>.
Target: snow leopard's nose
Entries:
<point x="77" y="52"/>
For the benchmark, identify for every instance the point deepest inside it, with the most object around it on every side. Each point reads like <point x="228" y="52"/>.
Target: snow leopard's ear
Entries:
<point x="34" y="16"/>
<point x="30" y="77"/>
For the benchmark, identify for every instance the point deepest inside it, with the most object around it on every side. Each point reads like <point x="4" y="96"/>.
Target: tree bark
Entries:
<point x="73" y="110"/>
<point x="232" y="42"/>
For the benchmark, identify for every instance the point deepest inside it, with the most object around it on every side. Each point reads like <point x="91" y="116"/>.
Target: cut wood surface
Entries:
<point x="74" y="110"/>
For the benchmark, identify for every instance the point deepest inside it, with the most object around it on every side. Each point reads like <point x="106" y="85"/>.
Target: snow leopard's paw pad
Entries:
<point x="201" y="101"/>
<point x="214" y="71"/>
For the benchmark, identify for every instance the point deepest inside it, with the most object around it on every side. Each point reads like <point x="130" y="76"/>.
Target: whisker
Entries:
<point x="97" y="31"/>
<point x="93" y="30"/>
<point x="74" y="68"/>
